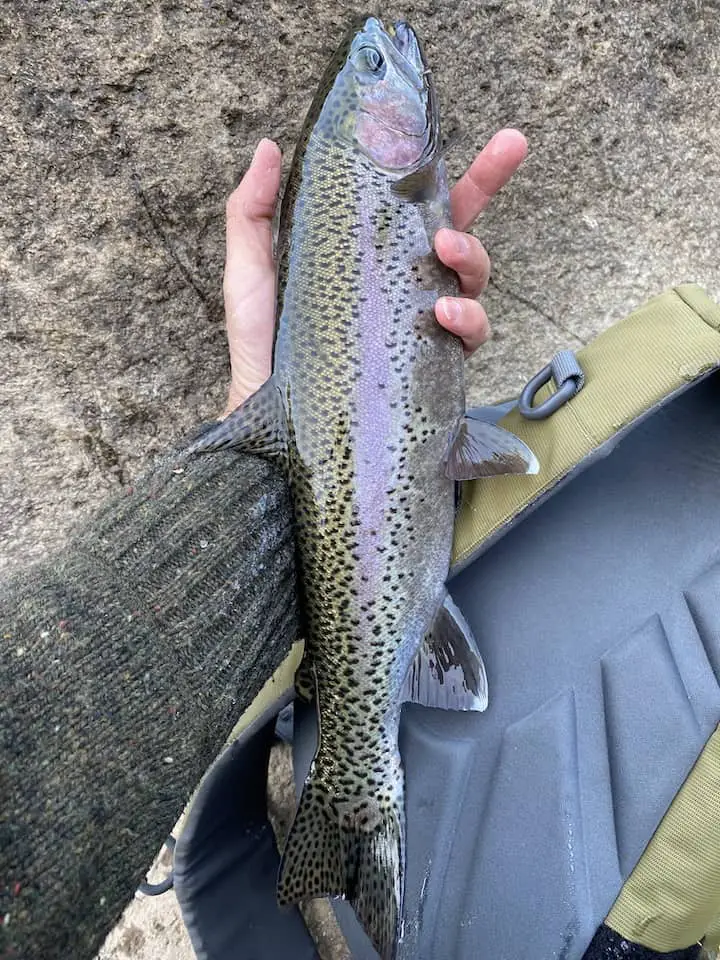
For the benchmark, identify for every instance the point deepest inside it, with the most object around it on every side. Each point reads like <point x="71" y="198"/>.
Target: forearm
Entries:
<point x="126" y="662"/>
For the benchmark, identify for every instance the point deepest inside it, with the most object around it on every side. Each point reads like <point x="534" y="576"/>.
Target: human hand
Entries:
<point x="249" y="283"/>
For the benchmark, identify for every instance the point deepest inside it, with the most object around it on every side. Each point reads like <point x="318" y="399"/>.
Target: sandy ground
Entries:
<point x="151" y="927"/>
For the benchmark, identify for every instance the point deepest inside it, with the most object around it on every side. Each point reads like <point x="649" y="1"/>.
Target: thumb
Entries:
<point x="249" y="283"/>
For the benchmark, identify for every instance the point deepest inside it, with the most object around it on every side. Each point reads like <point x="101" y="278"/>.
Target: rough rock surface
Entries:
<point x="125" y="123"/>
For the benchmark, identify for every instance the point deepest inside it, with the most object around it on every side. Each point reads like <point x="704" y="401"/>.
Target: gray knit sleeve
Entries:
<point x="125" y="662"/>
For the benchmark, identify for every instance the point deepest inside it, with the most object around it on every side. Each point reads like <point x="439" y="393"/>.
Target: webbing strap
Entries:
<point x="672" y="898"/>
<point x="630" y="368"/>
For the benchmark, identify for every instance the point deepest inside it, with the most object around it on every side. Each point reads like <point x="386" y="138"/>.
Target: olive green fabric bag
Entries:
<point x="672" y="897"/>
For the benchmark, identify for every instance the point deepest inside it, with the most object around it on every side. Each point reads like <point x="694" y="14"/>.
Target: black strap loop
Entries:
<point x="569" y="379"/>
<point x="155" y="889"/>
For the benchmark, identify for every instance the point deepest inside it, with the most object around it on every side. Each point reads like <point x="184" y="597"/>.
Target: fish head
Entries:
<point x="382" y="100"/>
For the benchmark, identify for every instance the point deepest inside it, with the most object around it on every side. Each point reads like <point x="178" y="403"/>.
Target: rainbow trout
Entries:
<point x="365" y="412"/>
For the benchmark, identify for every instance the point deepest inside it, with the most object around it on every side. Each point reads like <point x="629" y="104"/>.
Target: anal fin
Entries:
<point x="256" y="426"/>
<point x="482" y="449"/>
<point x="448" y="671"/>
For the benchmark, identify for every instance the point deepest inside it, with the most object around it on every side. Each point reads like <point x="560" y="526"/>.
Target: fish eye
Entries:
<point x="370" y="59"/>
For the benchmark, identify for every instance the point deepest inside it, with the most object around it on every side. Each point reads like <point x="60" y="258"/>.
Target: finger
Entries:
<point x="249" y="282"/>
<point x="488" y="173"/>
<point x="466" y="319"/>
<point x="251" y="207"/>
<point x="465" y="255"/>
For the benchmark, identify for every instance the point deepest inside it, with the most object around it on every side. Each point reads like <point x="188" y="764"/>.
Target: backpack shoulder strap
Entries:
<point x="631" y="369"/>
<point x="672" y="897"/>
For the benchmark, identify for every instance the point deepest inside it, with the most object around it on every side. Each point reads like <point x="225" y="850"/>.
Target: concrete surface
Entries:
<point x="125" y="123"/>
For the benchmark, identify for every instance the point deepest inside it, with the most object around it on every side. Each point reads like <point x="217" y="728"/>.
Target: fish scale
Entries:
<point x="365" y="413"/>
<point x="370" y="579"/>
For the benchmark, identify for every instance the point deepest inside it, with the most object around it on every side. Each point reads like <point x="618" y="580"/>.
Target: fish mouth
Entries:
<point x="408" y="46"/>
<point x="400" y="42"/>
<point x="381" y="121"/>
<point x="404" y="41"/>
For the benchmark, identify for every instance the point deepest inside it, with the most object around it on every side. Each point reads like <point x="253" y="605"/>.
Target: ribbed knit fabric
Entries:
<point x="125" y="663"/>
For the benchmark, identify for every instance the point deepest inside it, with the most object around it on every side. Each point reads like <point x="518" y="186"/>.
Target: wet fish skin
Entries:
<point x="366" y="397"/>
<point x="374" y="389"/>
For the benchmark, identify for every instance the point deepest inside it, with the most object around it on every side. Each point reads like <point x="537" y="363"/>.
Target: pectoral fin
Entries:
<point x="418" y="187"/>
<point x="448" y="671"/>
<point x="256" y="426"/>
<point x="482" y="449"/>
<point x="421" y="185"/>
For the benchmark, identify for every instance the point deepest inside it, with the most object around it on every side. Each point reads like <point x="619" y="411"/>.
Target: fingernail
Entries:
<point x="460" y="242"/>
<point x="259" y="148"/>
<point x="451" y="310"/>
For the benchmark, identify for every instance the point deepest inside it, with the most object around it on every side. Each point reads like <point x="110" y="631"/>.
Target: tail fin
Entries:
<point x="355" y="853"/>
